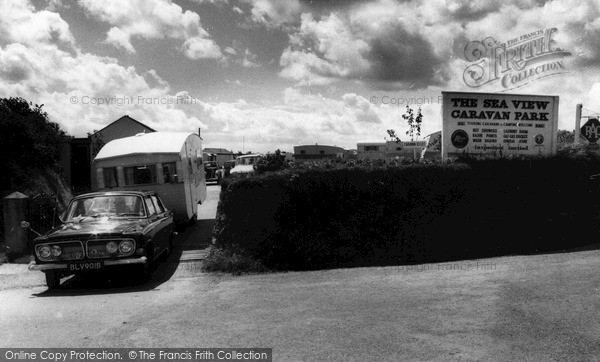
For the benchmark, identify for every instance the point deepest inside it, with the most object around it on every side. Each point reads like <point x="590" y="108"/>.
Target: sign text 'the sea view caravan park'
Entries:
<point x="503" y="124"/>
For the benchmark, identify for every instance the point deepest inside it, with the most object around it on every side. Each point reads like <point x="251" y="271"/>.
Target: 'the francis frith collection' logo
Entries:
<point x="515" y="62"/>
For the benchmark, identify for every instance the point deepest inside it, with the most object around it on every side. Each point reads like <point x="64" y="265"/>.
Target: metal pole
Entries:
<point x="577" y="122"/>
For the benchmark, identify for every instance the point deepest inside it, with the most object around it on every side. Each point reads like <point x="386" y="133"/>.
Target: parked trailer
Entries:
<point x="169" y="163"/>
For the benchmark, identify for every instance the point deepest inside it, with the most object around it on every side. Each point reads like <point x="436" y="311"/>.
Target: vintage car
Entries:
<point x="245" y="164"/>
<point x="101" y="231"/>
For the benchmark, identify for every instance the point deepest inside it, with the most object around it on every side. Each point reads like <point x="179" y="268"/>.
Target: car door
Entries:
<point x="154" y="228"/>
<point x="166" y="221"/>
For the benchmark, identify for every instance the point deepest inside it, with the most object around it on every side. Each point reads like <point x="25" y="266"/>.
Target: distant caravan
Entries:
<point x="169" y="163"/>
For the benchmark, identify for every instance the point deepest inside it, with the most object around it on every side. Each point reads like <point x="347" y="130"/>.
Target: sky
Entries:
<point x="260" y="75"/>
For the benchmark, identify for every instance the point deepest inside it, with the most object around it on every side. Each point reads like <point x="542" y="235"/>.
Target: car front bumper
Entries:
<point x="33" y="266"/>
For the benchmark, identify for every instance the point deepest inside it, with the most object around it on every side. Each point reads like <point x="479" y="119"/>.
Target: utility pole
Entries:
<point x="578" y="122"/>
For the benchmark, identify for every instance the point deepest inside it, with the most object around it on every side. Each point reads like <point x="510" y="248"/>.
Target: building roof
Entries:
<point x="155" y="142"/>
<point x="337" y="148"/>
<point x="371" y="143"/>
<point x="123" y="118"/>
<point x="218" y="151"/>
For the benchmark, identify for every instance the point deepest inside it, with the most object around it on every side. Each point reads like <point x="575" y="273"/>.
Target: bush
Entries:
<point x="227" y="261"/>
<point x="271" y="162"/>
<point x="356" y="214"/>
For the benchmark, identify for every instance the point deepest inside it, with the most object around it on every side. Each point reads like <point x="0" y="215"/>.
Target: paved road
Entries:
<point x="542" y="307"/>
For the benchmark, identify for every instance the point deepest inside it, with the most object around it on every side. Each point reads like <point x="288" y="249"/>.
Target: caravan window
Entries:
<point x="110" y="177"/>
<point x="170" y="172"/>
<point x="140" y="175"/>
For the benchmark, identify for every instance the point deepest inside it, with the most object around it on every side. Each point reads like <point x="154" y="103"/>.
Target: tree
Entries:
<point x="435" y="143"/>
<point x="96" y="142"/>
<point x="28" y="141"/>
<point x="271" y="162"/>
<point x="414" y="123"/>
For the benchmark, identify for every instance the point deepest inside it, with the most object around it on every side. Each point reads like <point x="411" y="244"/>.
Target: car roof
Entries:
<point x="115" y="193"/>
<point x="251" y="155"/>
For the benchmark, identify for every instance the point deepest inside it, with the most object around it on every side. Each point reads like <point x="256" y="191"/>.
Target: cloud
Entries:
<point x="200" y="48"/>
<point x="274" y="13"/>
<point x="323" y="50"/>
<point x="364" y="111"/>
<point x="250" y="60"/>
<point x="300" y="117"/>
<point x="119" y="38"/>
<point x="21" y="24"/>
<point x="153" y="19"/>
<point x="365" y="46"/>
<point x="71" y="83"/>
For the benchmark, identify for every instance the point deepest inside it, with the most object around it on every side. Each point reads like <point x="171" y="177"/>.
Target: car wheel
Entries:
<point x="168" y="250"/>
<point x="52" y="279"/>
<point x="170" y="245"/>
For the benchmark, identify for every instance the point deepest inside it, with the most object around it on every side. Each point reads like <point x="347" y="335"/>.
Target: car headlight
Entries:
<point x="56" y="251"/>
<point x="45" y="252"/>
<point x="112" y="247"/>
<point x="126" y="246"/>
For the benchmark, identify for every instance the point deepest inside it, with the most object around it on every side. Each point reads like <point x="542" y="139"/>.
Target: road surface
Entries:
<point x="540" y="307"/>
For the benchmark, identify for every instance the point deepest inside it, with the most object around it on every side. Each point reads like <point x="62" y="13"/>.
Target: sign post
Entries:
<point x="498" y="123"/>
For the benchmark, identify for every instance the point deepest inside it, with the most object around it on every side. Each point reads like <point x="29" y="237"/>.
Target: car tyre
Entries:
<point x="168" y="249"/>
<point x="170" y="246"/>
<point x="52" y="279"/>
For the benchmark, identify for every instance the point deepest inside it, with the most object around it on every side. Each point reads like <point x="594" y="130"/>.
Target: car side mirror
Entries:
<point x="62" y="217"/>
<point x="26" y="225"/>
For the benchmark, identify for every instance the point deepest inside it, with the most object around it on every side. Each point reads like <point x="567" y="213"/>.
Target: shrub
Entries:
<point x="271" y="162"/>
<point x="329" y="215"/>
<point x="227" y="261"/>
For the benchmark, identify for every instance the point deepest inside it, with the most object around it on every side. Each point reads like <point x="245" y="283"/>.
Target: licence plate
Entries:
<point x="92" y="265"/>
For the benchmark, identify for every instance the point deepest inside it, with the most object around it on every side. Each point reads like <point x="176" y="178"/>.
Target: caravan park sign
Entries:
<point x="501" y="124"/>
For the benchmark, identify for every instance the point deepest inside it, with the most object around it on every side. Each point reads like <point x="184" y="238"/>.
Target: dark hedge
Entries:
<point x="376" y="214"/>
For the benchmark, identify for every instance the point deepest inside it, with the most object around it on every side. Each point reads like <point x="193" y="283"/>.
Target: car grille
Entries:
<point x="96" y="249"/>
<point x="71" y="250"/>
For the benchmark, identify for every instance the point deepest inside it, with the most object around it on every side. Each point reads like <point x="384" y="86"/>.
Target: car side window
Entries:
<point x="150" y="206"/>
<point x="157" y="205"/>
<point x="161" y="203"/>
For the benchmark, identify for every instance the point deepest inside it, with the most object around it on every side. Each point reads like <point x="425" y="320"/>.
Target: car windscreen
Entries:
<point x="106" y="205"/>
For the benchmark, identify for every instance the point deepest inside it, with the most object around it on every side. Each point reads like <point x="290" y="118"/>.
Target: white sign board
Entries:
<point x="414" y="144"/>
<point x="475" y="123"/>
